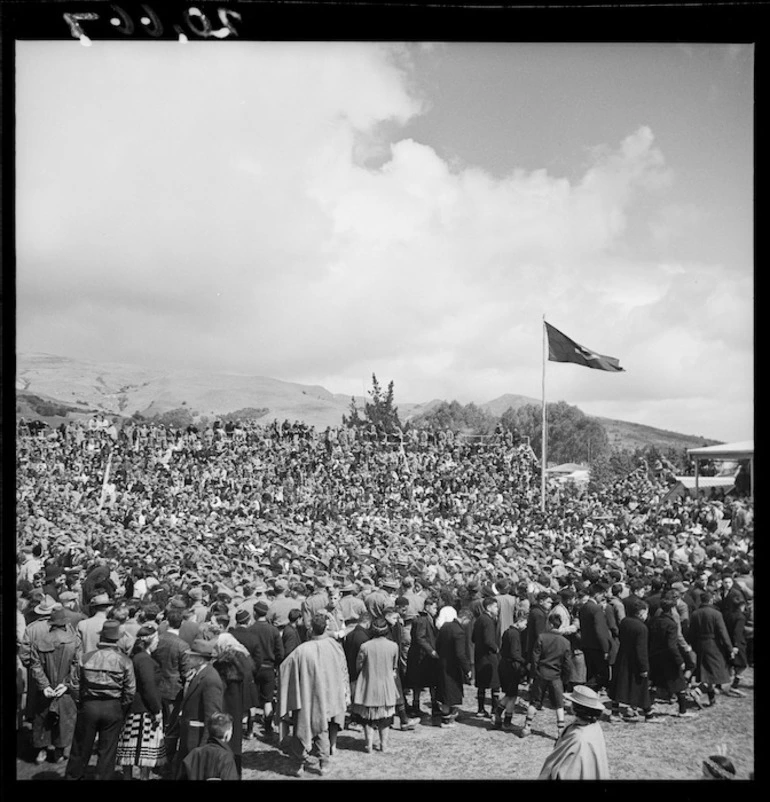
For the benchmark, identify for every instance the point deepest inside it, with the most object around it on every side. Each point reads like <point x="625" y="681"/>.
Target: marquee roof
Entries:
<point x="725" y="451"/>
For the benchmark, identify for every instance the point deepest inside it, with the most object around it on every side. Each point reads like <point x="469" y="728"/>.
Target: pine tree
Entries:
<point x="380" y="412"/>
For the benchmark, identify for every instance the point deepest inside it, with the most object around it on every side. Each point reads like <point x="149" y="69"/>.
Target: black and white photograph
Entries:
<point x="384" y="407"/>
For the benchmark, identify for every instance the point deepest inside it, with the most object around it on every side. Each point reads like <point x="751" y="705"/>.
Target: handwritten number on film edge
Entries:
<point x="198" y="23"/>
<point x="151" y="22"/>
<point x="224" y="13"/>
<point x="192" y="13"/>
<point x="122" y="22"/>
<point x="73" y="21"/>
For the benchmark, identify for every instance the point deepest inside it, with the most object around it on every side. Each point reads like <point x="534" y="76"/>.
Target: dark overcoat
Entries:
<point x="239" y="693"/>
<point x="171" y="655"/>
<point x="421" y="668"/>
<point x="512" y="662"/>
<point x="202" y="696"/>
<point x="665" y="657"/>
<point x="735" y="621"/>
<point x="711" y="644"/>
<point x="537" y="622"/>
<point x="486" y="655"/>
<point x="213" y="760"/>
<point x="454" y="663"/>
<point x="627" y="684"/>
<point x="594" y="632"/>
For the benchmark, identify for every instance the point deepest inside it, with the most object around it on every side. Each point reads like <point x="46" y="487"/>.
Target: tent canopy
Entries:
<point x="725" y="451"/>
<point x="687" y="485"/>
<point x="688" y="482"/>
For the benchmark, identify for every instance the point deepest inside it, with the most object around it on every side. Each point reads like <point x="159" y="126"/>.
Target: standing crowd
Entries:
<point x="182" y="592"/>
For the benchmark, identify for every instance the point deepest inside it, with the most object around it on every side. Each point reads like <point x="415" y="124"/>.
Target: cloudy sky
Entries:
<point x="316" y="212"/>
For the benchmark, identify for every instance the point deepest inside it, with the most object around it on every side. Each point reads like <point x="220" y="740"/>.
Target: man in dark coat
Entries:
<point x="549" y="669"/>
<point x="486" y="656"/>
<point x="735" y="621"/>
<point x="213" y="760"/>
<point x="351" y="645"/>
<point x="396" y="634"/>
<point x="290" y="634"/>
<point x="730" y="594"/>
<point x="249" y="639"/>
<point x="613" y="625"/>
<point x="595" y="638"/>
<point x="630" y="682"/>
<point x="667" y="663"/>
<point x="202" y="697"/>
<point x="537" y="620"/>
<point x="96" y="582"/>
<point x="454" y="667"/>
<point x="271" y="649"/>
<point x="712" y="646"/>
<point x="54" y="582"/>
<point x="171" y="655"/>
<point x="654" y="596"/>
<point x="512" y="670"/>
<point x="422" y="658"/>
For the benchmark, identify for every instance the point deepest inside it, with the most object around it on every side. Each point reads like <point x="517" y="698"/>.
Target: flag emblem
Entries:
<point x="562" y="349"/>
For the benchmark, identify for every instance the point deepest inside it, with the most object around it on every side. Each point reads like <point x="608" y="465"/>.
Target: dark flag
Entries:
<point x="562" y="349"/>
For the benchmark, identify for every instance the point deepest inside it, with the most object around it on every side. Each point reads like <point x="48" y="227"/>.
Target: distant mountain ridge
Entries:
<point x="80" y="387"/>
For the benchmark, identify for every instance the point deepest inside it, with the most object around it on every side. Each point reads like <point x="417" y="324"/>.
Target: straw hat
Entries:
<point x="585" y="697"/>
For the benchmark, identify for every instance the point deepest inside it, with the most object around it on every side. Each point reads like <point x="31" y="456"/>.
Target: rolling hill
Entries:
<point x="53" y="388"/>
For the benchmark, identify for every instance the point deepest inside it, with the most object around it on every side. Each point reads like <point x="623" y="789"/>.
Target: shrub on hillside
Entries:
<point x="178" y="418"/>
<point x="247" y="413"/>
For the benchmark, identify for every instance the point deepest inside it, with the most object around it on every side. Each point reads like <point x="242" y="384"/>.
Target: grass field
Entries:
<point x="670" y="750"/>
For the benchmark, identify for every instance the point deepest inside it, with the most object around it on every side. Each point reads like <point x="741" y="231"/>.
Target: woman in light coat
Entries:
<point x="375" y="694"/>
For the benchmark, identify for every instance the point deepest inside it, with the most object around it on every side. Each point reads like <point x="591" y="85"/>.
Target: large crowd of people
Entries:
<point x="179" y="589"/>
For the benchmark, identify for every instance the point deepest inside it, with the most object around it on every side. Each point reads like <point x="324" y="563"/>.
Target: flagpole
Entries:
<point x="105" y="480"/>
<point x="545" y="431"/>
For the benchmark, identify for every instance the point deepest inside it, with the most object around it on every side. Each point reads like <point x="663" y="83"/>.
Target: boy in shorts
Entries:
<point x="551" y="665"/>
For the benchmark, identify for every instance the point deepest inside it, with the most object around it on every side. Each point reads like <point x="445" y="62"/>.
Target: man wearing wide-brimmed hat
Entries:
<point x="106" y="686"/>
<point x="90" y="629"/>
<point x="35" y="631"/>
<point x="201" y="698"/>
<point x="580" y="752"/>
<point x="52" y="664"/>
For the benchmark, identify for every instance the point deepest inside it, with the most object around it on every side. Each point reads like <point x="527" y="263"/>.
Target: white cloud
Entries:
<point x="255" y="213"/>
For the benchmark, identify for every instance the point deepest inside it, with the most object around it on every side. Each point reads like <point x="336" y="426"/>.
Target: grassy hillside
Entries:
<point x="54" y="388"/>
<point x="635" y="435"/>
<point x="505" y="402"/>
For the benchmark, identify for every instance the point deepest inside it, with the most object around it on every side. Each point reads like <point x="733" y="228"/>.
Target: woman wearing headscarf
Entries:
<point x="375" y="693"/>
<point x="141" y="742"/>
<point x="454" y="663"/>
<point x="236" y="669"/>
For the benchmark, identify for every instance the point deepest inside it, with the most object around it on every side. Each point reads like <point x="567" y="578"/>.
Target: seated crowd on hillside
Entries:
<point x="208" y="533"/>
